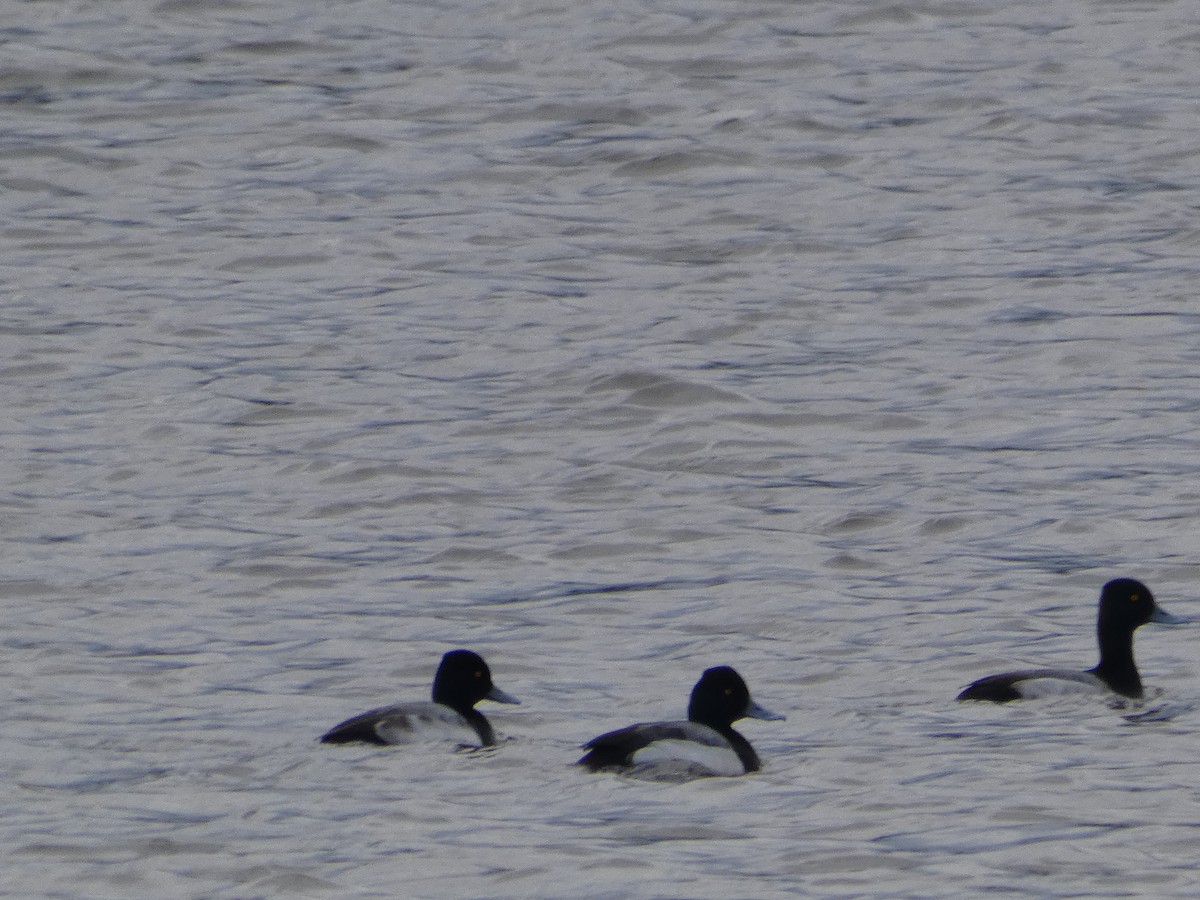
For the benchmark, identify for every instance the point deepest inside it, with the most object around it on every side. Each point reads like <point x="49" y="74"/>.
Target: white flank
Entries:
<point x="675" y="753"/>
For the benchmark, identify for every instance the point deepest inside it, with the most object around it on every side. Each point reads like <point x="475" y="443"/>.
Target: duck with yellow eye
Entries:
<point x="1125" y="605"/>
<point x="706" y="744"/>
<point x="461" y="681"/>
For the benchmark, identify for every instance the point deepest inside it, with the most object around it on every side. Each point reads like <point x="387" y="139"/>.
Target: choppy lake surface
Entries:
<point x="851" y="344"/>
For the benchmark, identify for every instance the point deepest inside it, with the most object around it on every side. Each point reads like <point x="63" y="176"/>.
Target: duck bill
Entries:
<point x="1161" y="617"/>
<point x="755" y="711"/>
<point x="498" y="696"/>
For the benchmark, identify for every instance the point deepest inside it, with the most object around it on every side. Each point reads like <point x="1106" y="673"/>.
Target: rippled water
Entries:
<point x="851" y="344"/>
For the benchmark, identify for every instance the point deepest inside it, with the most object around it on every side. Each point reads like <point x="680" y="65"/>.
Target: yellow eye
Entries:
<point x="1134" y="598"/>
<point x="728" y="692"/>
<point x="478" y="674"/>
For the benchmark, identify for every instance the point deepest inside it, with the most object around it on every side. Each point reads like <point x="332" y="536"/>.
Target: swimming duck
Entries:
<point x="705" y="744"/>
<point x="462" y="680"/>
<point x="1125" y="605"/>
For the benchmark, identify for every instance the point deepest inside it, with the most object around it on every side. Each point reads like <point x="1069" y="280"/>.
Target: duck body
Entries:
<point x="1125" y="605"/>
<point x="410" y="723"/>
<point x="690" y="746"/>
<point x="462" y="680"/>
<point x="1030" y="684"/>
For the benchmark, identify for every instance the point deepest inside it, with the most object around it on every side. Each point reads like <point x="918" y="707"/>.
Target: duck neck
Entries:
<point x="472" y="716"/>
<point x="479" y="723"/>
<point x="742" y="748"/>
<point x="1116" y="667"/>
<point x="483" y="728"/>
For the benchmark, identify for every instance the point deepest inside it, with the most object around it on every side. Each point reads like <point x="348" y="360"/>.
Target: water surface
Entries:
<point x="850" y="344"/>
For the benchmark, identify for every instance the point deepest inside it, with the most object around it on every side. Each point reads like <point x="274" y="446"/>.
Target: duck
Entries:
<point x="705" y="744"/>
<point x="1125" y="605"/>
<point x="461" y="681"/>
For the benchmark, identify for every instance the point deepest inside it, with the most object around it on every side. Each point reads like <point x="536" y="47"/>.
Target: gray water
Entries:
<point x="851" y="344"/>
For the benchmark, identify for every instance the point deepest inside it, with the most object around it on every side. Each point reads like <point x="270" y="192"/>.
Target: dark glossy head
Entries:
<point x="463" y="679"/>
<point x="1126" y="604"/>
<point x="721" y="697"/>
